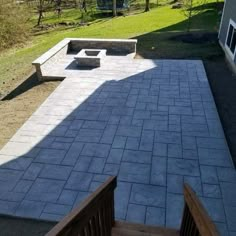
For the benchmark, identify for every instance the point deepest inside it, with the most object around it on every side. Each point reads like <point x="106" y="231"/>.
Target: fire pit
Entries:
<point x="90" y="57"/>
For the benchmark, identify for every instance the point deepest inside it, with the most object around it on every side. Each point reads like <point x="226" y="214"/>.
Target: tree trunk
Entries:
<point x="190" y="16"/>
<point x="147" y="7"/>
<point x="40" y="17"/>
<point x="84" y="6"/>
<point x="114" y="8"/>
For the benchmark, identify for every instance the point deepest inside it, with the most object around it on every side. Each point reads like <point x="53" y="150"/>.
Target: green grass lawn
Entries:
<point x="152" y="29"/>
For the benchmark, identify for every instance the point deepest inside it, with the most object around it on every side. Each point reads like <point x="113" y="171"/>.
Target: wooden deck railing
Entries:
<point x="196" y="221"/>
<point x="94" y="217"/>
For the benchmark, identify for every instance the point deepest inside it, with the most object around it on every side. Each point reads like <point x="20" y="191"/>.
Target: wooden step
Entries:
<point x="127" y="232"/>
<point x="132" y="229"/>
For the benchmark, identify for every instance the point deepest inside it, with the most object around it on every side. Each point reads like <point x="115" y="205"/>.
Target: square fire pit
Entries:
<point x="90" y="57"/>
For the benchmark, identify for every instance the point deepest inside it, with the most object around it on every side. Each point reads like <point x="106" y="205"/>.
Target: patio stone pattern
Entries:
<point x="153" y="123"/>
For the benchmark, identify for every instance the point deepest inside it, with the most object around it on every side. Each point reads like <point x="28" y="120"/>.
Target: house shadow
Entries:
<point x="75" y="140"/>
<point x="164" y="43"/>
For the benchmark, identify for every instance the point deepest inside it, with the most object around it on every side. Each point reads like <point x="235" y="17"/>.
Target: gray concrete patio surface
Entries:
<point x="153" y="123"/>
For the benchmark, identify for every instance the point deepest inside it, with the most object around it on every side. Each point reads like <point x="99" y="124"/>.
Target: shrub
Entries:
<point x="14" y="26"/>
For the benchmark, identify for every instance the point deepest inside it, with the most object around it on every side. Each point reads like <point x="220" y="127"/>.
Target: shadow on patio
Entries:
<point x="143" y="127"/>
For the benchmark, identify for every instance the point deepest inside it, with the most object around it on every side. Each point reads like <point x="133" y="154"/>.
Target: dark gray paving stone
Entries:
<point x="122" y="194"/>
<point x="80" y="198"/>
<point x="76" y="124"/>
<point x="88" y="124"/>
<point x="175" y="184"/>
<point x="97" y="165"/>
<point x="55" y="172"/>
<point x="180" y="110"/>
<point x="175" y="150"/>
<point x="160" y="149"/>
<point x="109" y="134"/>
<point x="161" y="125"/>
<point x="45" y="190"/>
<point x="79" y="181"/>
<point x="195" y="183"/>
<point x="183" y="167"/>
<point x="134" y="172"/>
<point x="155" y="216"/>
<point x="111" y="169"/>
<point x="229" y="193"/>
<point x="142" y="114"/>
<point x="214" y="143"/>
<point x="222" y="228"/>
<point x="168" y="137"/>
<point x="9" y="178"/>
<point x="209" y="174"/>
<point x="100" y="178"/>
<point x="23" y="186"/>
<point x="137" y="156"/>
<point x="148" y="195"/>
<point x="33" y="171"/>
<point x="83" y="163"/>
<point x="51" y="156"/>
<point x="199" y="130"/>
<point x="115" y="156"/>
<point x="89" y="135"/>
<point x="211" y="190"/>
<point x="215" y="208"/>
<point x="193" y="119"/>
<point x="231" y="217"/>
<point x="12" y="196"/>
<point x="146" y="142"/>
<point x="96" y="150"/>
<point x="67" y="197"/>
<point x="136" y="213"/>
<point x="129" y="131"/>
<point x="226" y="174"/>
<point x="119" y="142"/>
<point x="60" y="145"/>
<point x="158" y="171"/>
<point x="60" y="209"/>
<point x="215" y="128"/>
<point x="94" y="185"/>
<point x="189" y="142"/>
<point x="114" y="120"/>
<point x="190" y="154"/>
<point x="214" y="157"/>
<point x="174" y="119"/>
<point x="7" y="207"/>
<point x="20" y="163"/>
<point x="132" y="143"/>
<point x="174" y="210"/>
<point x="30" y="209"/>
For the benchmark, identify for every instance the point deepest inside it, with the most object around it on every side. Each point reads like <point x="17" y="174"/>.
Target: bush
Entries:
<point x="14" y="26"/>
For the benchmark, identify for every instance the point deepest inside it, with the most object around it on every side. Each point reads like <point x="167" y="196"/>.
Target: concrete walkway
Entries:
<point x="151" y="122"/>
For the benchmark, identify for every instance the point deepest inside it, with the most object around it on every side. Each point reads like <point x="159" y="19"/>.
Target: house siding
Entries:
<point x="229" y="13"/>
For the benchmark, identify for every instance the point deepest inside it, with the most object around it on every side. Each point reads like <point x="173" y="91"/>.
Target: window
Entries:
<point x="231" y="38"/>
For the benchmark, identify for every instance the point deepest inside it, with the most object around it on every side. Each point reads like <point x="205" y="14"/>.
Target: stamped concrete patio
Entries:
<point x="153" y="123"/>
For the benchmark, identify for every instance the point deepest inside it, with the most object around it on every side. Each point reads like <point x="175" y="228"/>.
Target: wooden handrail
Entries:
<point x="196" y="220"/>
<point x="94" y="217"/>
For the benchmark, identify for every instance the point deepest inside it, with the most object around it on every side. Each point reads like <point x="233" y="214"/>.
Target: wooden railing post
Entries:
<point x="94" y="217"/>
<point x="195" y="221"/>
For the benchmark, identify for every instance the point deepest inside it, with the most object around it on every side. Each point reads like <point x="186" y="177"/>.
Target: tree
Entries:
<point x="114" y="11"/>
<point x="188" y="10"/>
<point x="147" y="5"/>
<point x="42" y="6"/>
<point x="192" y="8"/>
